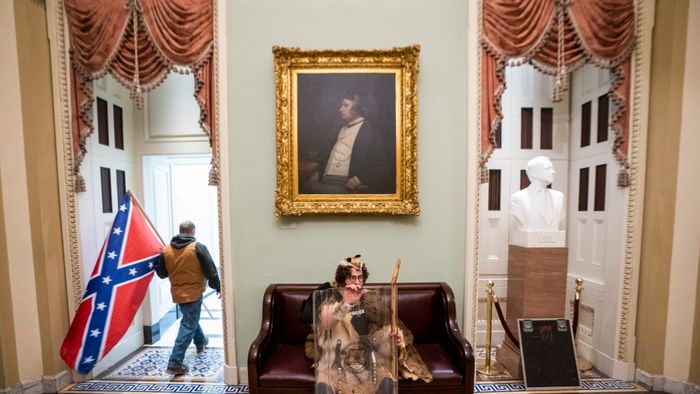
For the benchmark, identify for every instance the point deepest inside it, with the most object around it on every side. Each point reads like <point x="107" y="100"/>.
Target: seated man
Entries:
<point x="350" y="324"/>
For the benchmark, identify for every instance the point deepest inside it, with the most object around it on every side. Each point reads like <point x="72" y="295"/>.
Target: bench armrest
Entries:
<point x="453" y="342"/>
<point x="264" y="344"/>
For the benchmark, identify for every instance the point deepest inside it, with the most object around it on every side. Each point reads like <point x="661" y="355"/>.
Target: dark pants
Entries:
<point x="189" y="329"/>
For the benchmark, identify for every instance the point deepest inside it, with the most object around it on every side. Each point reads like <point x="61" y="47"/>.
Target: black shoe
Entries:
<point x="200" y="349"/>
<point x="178" y="370"/>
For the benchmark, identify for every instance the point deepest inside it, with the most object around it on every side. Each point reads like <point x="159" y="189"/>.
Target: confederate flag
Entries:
<point x="115" y="289"/>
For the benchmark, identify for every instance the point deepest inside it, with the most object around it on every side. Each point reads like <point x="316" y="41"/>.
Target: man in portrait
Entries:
<point x="360" y="159"/>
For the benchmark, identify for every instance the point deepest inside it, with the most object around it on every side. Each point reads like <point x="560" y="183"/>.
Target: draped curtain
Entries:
<point x="139" y="42"/>
<point x="557" y="37"/>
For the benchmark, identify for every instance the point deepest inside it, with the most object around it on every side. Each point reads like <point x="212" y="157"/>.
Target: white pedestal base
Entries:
<point x="538" y="239"/>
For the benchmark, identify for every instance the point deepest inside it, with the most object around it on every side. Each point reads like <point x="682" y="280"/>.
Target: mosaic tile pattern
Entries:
<point x="93" y="386"/>
<point x="145" y="373"/>
<point x="150" y="363"/>
<point x="593" y="385"/>
<point x="609" y="384"/>
<point x="96" y="386"/>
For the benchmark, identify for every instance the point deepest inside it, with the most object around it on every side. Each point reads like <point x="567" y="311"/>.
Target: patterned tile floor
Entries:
<point x="591" y="381"/>
<point x="150" y="363"/>
<point x="210" y="320"/>
<point x="101" y="386"/>
<point x="144" y="371"/>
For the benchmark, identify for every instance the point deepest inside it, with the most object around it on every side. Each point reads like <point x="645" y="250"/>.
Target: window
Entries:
<point x="494" y="190"/>
<point x="603" y="108"/>
<point x="121" y="184"/>
<point x="118" y="128"/>
<point x="499" y="134"/>
<point x="102" y="122"/>
<point x="546" y="127"/>
<point x="106" y="182"/>
<point x="586" y="124"/>
<point x="526" y="128"/>
<point x="599" y="199"/>
<point x="583" y="189"/>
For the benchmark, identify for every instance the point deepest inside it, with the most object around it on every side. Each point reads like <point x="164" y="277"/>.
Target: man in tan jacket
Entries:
<point x="188" y="265"/>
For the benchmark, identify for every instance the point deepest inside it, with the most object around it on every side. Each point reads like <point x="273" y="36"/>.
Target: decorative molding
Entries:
<point x="64" y="151"/>
<point x="150" y="137"/>
<point x="158" y="138"/>
<point x="476" y="185"/>
<point x="231" y="370"/>
<point x="635" y="192"/>
<point x="216" y="148"/>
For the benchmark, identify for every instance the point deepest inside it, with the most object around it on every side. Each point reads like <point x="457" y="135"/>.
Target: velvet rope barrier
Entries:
<point x="503" y="321"/>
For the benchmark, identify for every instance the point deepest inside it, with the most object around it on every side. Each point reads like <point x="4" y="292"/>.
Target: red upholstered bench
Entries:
<point x="276" y="361"/>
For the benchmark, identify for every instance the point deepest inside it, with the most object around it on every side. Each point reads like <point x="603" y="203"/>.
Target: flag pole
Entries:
<point x="138" y="204"/>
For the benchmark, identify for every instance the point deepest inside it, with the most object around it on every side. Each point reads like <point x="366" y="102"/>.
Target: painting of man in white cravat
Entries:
<point x="360" y="159"/>
<point x="538" y="208"/>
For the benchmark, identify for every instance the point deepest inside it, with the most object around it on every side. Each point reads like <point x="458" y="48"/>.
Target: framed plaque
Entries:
<point x="548" y="354"/>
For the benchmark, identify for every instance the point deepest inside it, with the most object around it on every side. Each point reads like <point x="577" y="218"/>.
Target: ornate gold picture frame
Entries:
<point x="346" y="131"/>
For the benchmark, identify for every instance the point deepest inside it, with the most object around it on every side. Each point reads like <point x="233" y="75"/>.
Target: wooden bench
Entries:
<point x="276" y="361"/>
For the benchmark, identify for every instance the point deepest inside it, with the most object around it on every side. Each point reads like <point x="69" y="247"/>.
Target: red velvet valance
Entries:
<point x="139" y="42"/>
<point x="557" y="37"/>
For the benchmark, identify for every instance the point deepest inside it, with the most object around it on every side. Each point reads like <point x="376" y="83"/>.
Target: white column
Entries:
<point x="13" y="176"/>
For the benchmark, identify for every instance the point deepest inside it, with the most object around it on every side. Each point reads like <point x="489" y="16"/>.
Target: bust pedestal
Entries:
<point x="536" y="288"/>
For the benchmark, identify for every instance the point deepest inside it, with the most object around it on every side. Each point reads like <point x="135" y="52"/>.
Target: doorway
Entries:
<point x="176" y="189"/>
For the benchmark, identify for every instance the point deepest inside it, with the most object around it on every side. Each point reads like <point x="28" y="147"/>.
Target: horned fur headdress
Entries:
<point x="354" y="262"/>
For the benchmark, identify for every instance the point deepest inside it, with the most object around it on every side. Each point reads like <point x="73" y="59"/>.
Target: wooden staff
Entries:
<point x="394" y="291"/>
<point x="394" y="312"/>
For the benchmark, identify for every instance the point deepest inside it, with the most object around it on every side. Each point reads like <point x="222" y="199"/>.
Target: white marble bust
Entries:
<point x="537" y="208"/>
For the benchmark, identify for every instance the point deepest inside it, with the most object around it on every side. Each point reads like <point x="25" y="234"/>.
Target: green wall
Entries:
<point x="267" y="249"/>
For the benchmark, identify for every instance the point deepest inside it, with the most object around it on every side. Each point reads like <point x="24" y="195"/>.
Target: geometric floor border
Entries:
<point x="587" y="386"/>
<point x="149" y="363"/>
<point x="102" y="386"/>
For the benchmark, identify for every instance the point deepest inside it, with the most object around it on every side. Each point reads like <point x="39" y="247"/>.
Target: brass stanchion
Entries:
<point x="583" y="364"/>
<point x="488" y="367"/>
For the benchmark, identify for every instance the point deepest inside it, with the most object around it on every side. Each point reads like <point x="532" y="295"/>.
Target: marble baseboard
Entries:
<point x="47" y="384"/>
<point x="662" y="383"/>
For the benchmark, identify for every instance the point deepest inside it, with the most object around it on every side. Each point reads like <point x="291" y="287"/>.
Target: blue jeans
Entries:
<point x="189" y="328"/>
